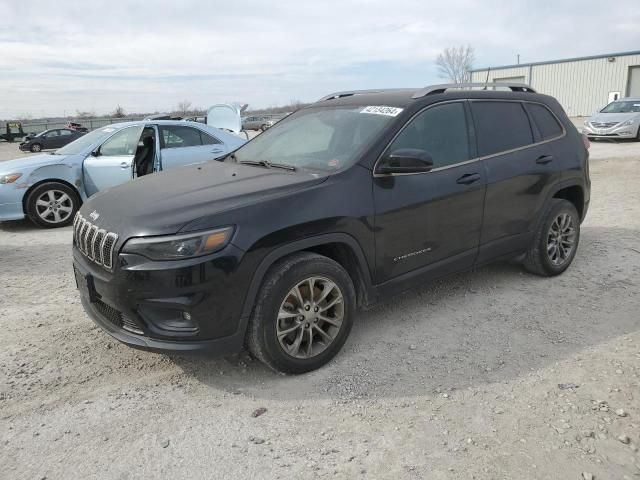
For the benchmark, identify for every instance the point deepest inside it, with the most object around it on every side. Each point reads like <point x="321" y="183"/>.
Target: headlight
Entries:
<point x="175" y="247"/>
<point x="627" y="123"/>
<point x="10" y="178"/>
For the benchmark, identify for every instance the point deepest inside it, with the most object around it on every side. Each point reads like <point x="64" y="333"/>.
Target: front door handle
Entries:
<point x="544" y="159"/>
<point x="124" y="165"/>
<point x="468" y="178"/>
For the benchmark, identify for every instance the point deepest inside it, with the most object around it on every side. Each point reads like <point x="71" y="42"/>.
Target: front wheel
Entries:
<point x="555" y="241"/>
<point x="303" y="315"/>
<point x="36" y="147"/>
<point x="52" y="204"/>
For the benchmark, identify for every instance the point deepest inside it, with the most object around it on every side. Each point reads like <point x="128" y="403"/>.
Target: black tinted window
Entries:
<point x="208" y="139"/>
<point x="545" y="121"/>
<point x="179" y="136"/>
<point x="501" y="126"/>
<point x="441" y="131"/>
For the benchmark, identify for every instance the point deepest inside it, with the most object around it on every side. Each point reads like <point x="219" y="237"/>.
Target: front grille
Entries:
<point x="95" y="243"/>
<point x="603" y="124"/>
<point x="115" y="317"/>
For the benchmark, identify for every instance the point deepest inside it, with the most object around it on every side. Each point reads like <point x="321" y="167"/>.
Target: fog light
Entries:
<point x="167" y="321"/>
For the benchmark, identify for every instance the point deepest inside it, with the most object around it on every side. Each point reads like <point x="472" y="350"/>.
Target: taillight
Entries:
<point x="585" y="141"/>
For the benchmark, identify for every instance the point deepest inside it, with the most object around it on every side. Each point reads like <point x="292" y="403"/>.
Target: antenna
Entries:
<point x="486" y="81"/>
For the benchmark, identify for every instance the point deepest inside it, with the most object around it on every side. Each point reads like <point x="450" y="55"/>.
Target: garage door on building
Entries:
<point x="634" y="82"/>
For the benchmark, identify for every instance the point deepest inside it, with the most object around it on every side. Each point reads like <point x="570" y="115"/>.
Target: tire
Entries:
<point x="545" y="255"/>
<point x="277" y="308"/>
<point x="36" y="147"/>
<point x="638" y="134"/>
<point x="63" y="203"/>
<point x="263" y="127"/>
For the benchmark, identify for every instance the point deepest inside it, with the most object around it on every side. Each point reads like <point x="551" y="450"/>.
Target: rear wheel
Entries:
<point x="263" y="127"/>
<point x="52" y="204"/>
<point x="556" y="240"/>
<point x="303" y="315"/>
<point x="36" y="147"/>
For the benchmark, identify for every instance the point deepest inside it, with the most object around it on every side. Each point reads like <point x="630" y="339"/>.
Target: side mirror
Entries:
<point x="405" y="160"/>
<point x="95" y="153"/>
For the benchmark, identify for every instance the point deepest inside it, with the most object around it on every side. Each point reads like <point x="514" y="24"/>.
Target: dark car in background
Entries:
<point x="55" y="138"/>
<point x="359" y="196"/>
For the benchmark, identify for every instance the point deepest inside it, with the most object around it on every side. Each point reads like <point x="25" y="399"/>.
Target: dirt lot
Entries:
<point x="457" y="380"/>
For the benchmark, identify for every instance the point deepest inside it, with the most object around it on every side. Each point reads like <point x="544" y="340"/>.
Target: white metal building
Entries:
<point x="582" y="85"/>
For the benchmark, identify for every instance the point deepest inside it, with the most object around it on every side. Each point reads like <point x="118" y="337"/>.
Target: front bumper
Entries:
<point x="11" y="202"/>
<point x="628" y="131"/>
<point x="138" y="301"/>
<point x="25" y="147"/>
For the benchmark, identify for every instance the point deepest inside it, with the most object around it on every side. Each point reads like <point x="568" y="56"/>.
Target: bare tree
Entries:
<point x="184" y="107"/>
<point x="455" y="63"/>
<point x="119" y="112"/>
<point x="87" y="114"/>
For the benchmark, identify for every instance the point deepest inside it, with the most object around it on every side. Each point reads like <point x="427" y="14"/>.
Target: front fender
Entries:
<point x="299" y="245"/>
<point x="68" y="172"/>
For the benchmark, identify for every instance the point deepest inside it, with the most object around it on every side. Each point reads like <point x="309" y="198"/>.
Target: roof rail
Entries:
<point x="349" y="93"/>
<point x="433" y="89"/>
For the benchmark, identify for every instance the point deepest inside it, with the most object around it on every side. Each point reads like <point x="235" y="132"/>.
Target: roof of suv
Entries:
<point x="402" y="97"/>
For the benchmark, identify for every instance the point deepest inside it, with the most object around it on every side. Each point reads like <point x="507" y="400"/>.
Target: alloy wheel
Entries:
<point x="310" y="317"/>
<point x="54" y="206"/>
<point x="561" y="239"/>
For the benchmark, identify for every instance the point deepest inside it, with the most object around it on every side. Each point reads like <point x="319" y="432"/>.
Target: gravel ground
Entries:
<point x="490" y="374"/>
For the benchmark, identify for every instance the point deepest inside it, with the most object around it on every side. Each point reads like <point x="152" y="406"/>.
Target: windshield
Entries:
<point x="86" y="141"/>
<point x="325" y="139"/>
<point x="622" y="107"/>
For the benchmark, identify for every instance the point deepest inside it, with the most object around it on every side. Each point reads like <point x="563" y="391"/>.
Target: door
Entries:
<point x="429" y="223"/>
<point x="110" y="164"/>
<point x="183" y="145"/>
<point x="521" y="166"/>
<point x="633" y="90"/>
<point x="65" y="136"/>
<point x="52" y="139"/>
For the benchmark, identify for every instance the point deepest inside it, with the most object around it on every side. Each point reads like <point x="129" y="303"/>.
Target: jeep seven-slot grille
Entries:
<point x="95" y="243"/>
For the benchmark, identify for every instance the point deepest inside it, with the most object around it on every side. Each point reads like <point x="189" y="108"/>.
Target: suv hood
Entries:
<point x="613" y="117"/>
<point x="19" y="164"/>
<point x="166" y="202"/>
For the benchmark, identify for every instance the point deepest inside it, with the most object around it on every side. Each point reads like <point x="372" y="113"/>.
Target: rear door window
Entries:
<point x="500" y="126"/>
<point x="546" y="122"/>
<point x="180" y="137"/>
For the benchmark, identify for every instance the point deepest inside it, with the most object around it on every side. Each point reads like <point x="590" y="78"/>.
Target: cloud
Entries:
<point x="148" y="56"/>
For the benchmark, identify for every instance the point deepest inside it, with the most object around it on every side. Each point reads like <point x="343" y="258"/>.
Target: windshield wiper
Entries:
<point x="264" y="163"/>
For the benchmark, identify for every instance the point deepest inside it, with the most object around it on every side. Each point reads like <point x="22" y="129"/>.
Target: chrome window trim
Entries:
<point x="476" y="159"/>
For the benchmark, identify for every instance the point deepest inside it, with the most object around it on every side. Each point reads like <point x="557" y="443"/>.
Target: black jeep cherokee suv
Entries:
<point x="360" y="195"/>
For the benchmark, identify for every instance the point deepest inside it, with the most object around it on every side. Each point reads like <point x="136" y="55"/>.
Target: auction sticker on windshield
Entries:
<point x="382" y="110"/>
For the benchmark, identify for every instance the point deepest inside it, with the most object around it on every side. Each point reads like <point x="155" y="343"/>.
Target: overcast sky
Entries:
<point x="59" y="57"/>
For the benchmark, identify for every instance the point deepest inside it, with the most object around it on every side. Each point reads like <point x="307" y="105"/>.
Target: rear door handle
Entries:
<point x="544" y="159"/>
<point x="468" y="178"/>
